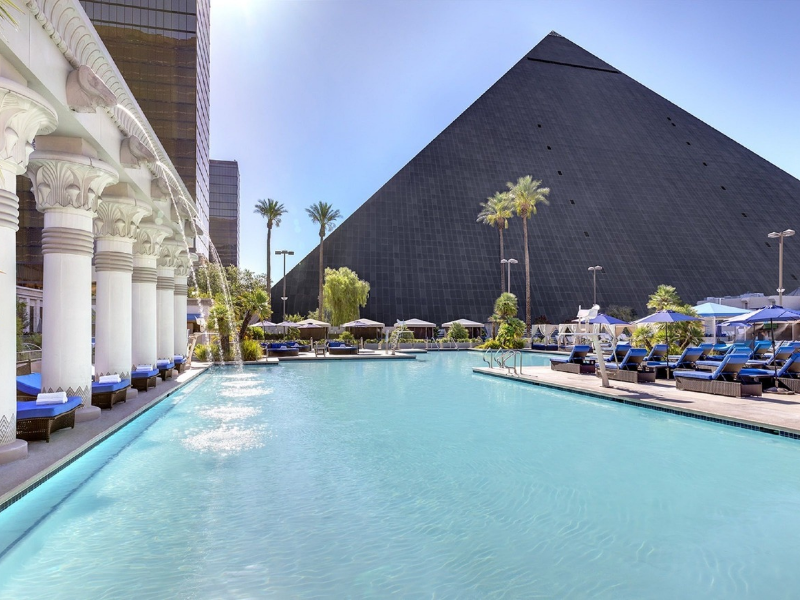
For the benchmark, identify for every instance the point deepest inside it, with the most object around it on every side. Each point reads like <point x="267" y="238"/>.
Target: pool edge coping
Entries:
<point x="728" y="421"/>
<point x="30" y="484"/>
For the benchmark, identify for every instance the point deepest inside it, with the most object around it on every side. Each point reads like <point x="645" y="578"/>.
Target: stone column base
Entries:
<point x="14" y="451"/>
<point x="87" y="413"/>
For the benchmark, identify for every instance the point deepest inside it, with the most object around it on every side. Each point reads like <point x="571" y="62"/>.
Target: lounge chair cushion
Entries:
<point x="705" y="375"/>
<point x="30" y="384"/>
<point x="31" y="410"/>
<point x="165" y="364"/>
<point x="179" y="360"/>
<point x="100" y="388"/>
<point x="144" y="374"/>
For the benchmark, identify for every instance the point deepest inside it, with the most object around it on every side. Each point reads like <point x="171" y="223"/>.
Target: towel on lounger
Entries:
<point x="144" y="367"/>
<point x="109" y="379"/>
<point x="52" y="398"/>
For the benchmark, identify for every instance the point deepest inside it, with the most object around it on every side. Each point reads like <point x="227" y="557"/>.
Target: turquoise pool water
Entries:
<point x="414" y="478"/>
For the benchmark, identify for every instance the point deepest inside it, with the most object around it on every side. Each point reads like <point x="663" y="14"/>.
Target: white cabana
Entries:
<point x="473" y="327"/>
<point x="417" y="326"/>
<point x="365" y="328"/>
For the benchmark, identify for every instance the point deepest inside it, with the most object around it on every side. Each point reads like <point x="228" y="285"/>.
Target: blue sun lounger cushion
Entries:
<point x="659" y="352"/>
<point x="632" y="361"/>
<point x="578" y="355"/>
<point x="101" y="388"/>
<point x="727" y="370"/>
<point x="687" y="360"/>
<point x="31" y="410"/>
<point x="144" y="374"/>
<point x="30" y="385"/>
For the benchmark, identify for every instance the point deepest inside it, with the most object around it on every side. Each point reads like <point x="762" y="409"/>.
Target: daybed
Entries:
<point x="37" y="422"/>
<point x="279" y="349"/>
<point x="165" y="368"/>
<point x="143" y="379"/>
<point x="106" y="395"/>
<point x="340" y="348"/>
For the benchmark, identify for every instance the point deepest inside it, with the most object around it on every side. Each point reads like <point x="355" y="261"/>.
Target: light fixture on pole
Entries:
<point x="284" y="297"/>
<point x="508" y="262"/>
<point x="780" y="235"/>
<point x="594" y="271"/>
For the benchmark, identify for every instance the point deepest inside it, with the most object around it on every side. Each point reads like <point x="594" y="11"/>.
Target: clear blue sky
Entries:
<point x="326" y="100"/>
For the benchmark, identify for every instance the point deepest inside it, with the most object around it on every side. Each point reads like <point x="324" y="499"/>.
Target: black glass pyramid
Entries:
<point x="639" y="186"/>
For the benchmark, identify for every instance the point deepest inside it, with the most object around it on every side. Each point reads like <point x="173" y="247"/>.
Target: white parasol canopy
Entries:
<point x="463" y="322"/>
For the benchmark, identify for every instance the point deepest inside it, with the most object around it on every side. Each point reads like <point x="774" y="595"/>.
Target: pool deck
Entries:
<point x="771" y="413"/>
<point x="67" y="444"/>
<point x="363" y="355"/>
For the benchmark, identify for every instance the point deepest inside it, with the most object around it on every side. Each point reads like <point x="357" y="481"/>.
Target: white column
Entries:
<point x="165" y="287"/>
<point x="115" y="227"/>
<point x="146" y="250"/>
<point x="68" y="179"/>
<point x="23" y="113"/>
<point x="181" y="292"/>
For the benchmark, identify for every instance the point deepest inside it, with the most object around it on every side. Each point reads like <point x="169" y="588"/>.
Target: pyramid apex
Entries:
<point x="555" y="34"/>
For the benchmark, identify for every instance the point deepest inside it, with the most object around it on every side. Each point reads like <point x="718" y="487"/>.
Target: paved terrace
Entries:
<point x="67" y="444"/>
<point x="775" y="413"/>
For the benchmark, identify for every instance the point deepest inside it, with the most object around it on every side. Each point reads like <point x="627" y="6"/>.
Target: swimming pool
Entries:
<point x="410" y="477"/>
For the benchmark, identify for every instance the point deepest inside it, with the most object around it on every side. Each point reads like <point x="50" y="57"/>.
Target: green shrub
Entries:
<point x="458" y="333"/>
<point x="347" y="338"/>
<point x="510" y="333"/>
<point x="202" y="352"/>
<point x="490" y="344"/>
<point x="251" y="350"/>
<point x="255" y="333"/>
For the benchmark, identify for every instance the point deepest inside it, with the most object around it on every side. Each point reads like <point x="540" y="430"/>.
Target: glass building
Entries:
<point x="162" y="49"/>
<point x="224" y="210"/>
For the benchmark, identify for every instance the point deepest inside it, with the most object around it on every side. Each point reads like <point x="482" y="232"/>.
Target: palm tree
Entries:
<point x="326" y="216"/>
<point x="272" y="211"/>
<point x="526" y="194"/>
<point x="496" y="212"/>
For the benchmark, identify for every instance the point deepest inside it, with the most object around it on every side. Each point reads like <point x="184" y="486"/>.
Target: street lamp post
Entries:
<point x="508" y="262"/>
<point x="284" y="297"/>
<point x="780" y="235"/>
<point x="594" y="271"/>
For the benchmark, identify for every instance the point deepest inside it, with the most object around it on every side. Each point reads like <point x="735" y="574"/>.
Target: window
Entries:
<point x="549" y="148"/>
<point x="559" y="173"/>
<point x="586" y="233"/>
<point x="723" y="187"/>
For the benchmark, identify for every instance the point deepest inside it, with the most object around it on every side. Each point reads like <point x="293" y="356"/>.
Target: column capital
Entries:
<point x="171" y="252"/>
<point x="148" y="239"/>
<point x="119" y="213"/>
<point x="66" y="173"/>
<point x="23" y="115"/>
<point x="183" y="266"/>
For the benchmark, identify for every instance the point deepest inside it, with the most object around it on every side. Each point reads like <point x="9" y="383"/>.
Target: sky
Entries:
<point x="325" y="100"/>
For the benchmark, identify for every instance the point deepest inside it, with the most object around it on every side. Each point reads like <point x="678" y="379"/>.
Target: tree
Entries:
<point x="505" y="307"/>
<point x="345" y="293"/>
<point x="664" y="298"/>
<point x="5" y="14"/>
<point x="496" y="212"/>
<point x="457" y="332"/>
<point x="526" y="195"/>
<point x="272" y="211"/>
<point x="623" y="313"/>
<point x="325" y="216"/>
<point x="249" y="299"/>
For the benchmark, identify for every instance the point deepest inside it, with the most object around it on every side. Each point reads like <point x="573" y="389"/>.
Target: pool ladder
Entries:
<point x="510" y="360"/>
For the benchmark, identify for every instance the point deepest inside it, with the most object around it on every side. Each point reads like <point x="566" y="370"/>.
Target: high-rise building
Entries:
<point x="639" y="186"/>
<point x="224" y="210"/>
<point x="162" y="48"/>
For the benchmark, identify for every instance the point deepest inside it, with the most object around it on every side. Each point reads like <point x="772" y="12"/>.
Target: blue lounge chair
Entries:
<point x="707" y="349"/>
<point x="282" y="349"/>
<point x="619" y="352"/>
<point x="340" y="348"/>
<point x="578" y="361"/>
<point x="659" y="352"/>
<point x="180" y="363"/>
<point x="29" y="386"/>
<point x="629" y="369"/>
<point x="106" y="395"/>
<point x="781" y="355"/>
<point x="143" y="380"/>
<point x="37" y="422"/>
<point x="723" y="381"/>
<point x="165" y="368"/>
<point x="788" y="374"/>
<point x="687" y="360"/>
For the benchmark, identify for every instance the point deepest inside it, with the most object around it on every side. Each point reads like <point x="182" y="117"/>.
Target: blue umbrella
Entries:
<point x="768" y="314"/>
<point x="667" y="317"/>
<point x="604" y="319"/>
<point x="710" y="310"/>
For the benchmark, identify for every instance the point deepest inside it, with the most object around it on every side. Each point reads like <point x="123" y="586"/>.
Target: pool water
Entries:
<point x="414" y="478"/>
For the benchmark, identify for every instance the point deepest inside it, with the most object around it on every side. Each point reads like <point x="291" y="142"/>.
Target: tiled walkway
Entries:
<point x="770" y="411"/>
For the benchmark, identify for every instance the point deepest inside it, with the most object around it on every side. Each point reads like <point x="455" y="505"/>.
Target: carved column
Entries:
<point x="22" y="114"/>
<point x="68" y="179"/>
<point x="115" y="228"/>
<point x="146" y="251"/>
<point x="165" y="291"/>
<point x="181" y="292"/>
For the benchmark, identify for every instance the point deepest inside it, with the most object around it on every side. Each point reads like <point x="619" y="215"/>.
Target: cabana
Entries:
<point x="473" y="327"/>
<point x="312" y="328"/>
<point x="365" y="329"/>
<point x="421" y="329"/>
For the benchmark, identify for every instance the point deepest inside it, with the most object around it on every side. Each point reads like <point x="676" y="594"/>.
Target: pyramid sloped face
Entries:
<point x="639" y="186"/>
